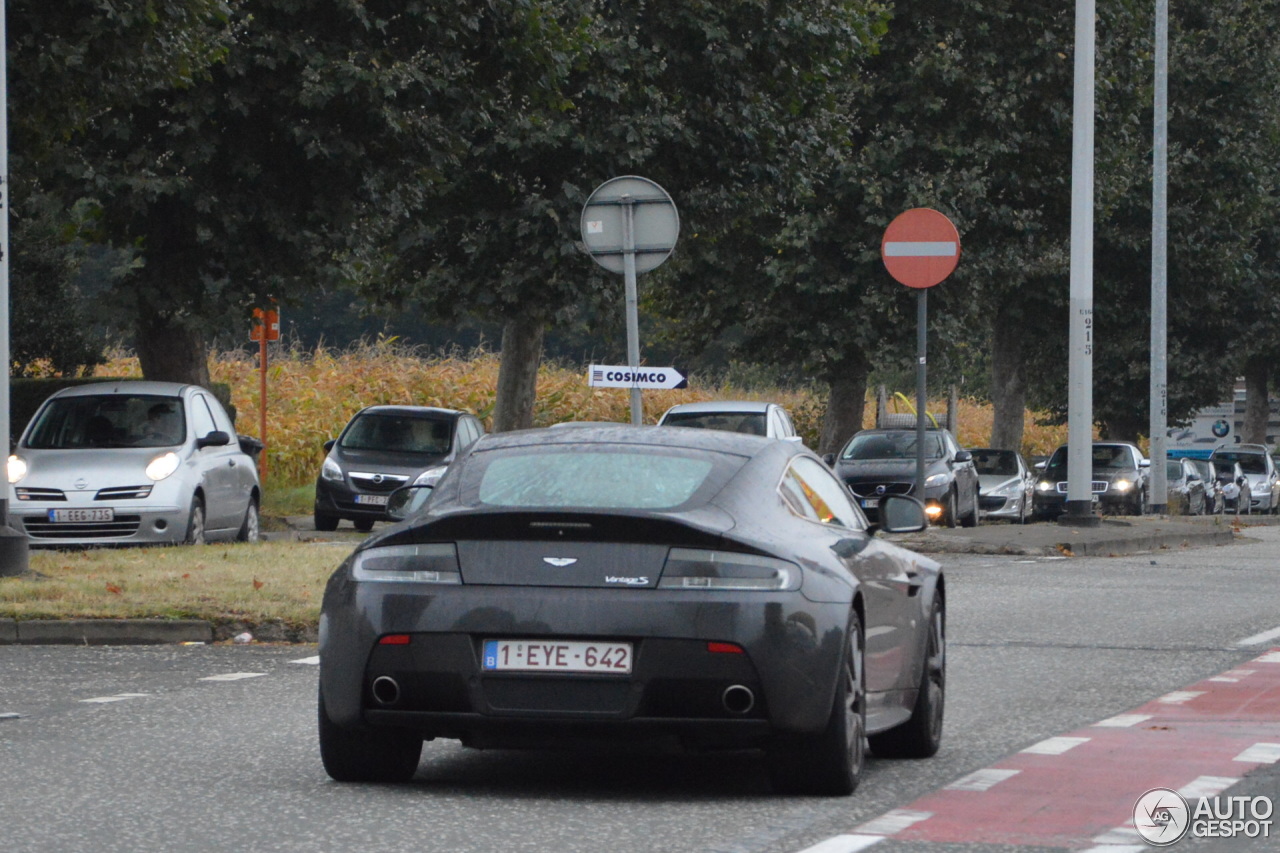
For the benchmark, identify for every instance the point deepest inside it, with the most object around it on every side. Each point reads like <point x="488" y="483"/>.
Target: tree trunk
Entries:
<point x="171" y="351"/>
<point x="1257" y="406"/>
<point x="1008" y="386"/>
<point x="846" y="404"/>
<point x="518" y="374"/>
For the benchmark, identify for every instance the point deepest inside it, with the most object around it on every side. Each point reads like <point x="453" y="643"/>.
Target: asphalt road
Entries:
<point x="193" y="748"/>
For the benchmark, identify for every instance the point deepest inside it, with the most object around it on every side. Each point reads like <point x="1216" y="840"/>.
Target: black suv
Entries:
<point x="880" y="462"/>
<point x="381" y="449"/>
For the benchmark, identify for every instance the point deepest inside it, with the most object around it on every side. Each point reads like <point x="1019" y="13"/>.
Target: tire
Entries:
<point x="195" y="523"/>
<point x="326" y="523"/>
<point x="364" y="525"/>
<point x="949" y="510"/>
<point x="921" y="735"/>
<point x="1139" y="506"/>
<point x="366" y="755"/>
<point x="1023" y="514"/>
<point x="829" y="763"/>
<point x="251" y="527"/>
<point x="974" y="518"/>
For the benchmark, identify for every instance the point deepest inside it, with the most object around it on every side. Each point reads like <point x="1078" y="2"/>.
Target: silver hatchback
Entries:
<point x="133" y="462"/>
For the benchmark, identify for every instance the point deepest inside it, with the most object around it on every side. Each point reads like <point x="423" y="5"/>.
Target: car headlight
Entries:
<point x="17" y="468"/>
<point x="1045" y="486"/>
<point x="330" y="471"/>
<point x="431" y="476"/>
<point x="1262" y="487"/>
<point x="427" y="563"/>
<point x="694" y="568"/>
<point x="936" y="480"/>
<point x="1121" y="485"/>
<point x="162" y="466"/>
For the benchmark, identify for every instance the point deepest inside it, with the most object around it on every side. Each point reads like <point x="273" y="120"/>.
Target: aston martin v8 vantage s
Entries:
<point x="700" y="588"/>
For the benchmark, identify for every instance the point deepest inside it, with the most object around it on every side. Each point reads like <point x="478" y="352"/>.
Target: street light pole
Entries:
<point x="13" y="543"/>
<point x="1159" y="432"/>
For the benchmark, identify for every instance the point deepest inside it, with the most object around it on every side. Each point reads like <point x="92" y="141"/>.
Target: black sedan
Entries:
<point x="660" y="586"/>
<point x="1118" y="483"/>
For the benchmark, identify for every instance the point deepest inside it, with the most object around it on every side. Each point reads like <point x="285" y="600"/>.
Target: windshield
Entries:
<point x="1002" y="463"/>
<point x="397" y="433"/>
<point x="1250" y="463"/>
<point x="891" y="445"/>
<point x="109" y="420"/>
<point x="631" y="479"/>
<point x="1105" y="457"/>
<point x="1203" y="466"/>
<point x="1173" y="470"/>
<point x="748" y="422"/>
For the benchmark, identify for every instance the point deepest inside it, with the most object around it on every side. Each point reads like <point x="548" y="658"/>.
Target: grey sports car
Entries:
<point x="696" y="587"/>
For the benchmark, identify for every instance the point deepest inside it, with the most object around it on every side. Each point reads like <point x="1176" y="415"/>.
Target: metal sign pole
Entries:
<point x="632" y="307"/>
<point x="922" y="362"/>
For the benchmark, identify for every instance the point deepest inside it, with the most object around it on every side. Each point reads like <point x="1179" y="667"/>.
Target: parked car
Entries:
<point x="1214" y="502"/>
<point x="132" y="462"/>
<point x="381" y="449"/>
<point x="881" y="462"/>
<point x="732" y="596"/>
<point x="1006" y="484"/>
<point x="1119" y="481"/>
<point x="1186" y="488"/>
<point x="749" y="416"/>
<point x="1237" y="491"/>
<point x="1257" y="464"/>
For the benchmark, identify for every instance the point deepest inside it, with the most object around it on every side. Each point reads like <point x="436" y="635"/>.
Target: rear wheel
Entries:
<point x="366" y="755"/>
<point x="921" y="735"/>
<point x="829" y="763"/>
<point x="326" y="523"/>
<point x="250" y="528"/>
<point x="195" y="522"/>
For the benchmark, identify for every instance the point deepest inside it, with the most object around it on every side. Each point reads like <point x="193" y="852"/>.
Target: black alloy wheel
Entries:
<point x="921" y="735"/>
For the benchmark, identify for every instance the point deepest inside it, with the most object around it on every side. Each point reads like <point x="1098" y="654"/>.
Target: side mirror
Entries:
<point x="328" y="445"/>
<point x="964" y="456"/>
<point x="217" y="438"/>
<point x="1040" y="466"/>
<point x="830" y="459"/>
<point x="407" y="500"/>
<point x="1144" y="463"/>
<point x="902" y="514"/>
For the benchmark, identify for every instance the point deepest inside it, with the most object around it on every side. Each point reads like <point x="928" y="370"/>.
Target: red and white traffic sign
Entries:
<point x="920" y="247"/>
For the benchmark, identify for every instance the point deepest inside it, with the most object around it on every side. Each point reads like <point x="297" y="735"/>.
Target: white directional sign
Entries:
<point x="621" y="376"/>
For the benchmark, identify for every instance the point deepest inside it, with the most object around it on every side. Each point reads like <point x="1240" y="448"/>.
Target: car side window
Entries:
<point x="827" y="498"/>
<point x="792" y="490"/>
<point x="201" y="418"/>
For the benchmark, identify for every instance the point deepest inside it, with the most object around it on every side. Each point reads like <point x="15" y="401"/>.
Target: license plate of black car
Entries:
<point x="556" y="656"/>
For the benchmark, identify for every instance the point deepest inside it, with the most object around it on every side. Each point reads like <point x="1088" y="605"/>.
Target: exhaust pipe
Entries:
<point x="385" y="690"/>
<point x="738" y="700"/>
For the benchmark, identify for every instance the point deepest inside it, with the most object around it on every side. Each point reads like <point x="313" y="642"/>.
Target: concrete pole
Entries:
<point x="13" y="543"/>
<point x="922" y="386"/>
<point x="1157" y="450"/>
<point x="1079" y="508"/>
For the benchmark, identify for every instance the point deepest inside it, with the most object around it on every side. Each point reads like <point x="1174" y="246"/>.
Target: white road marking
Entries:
<point x="1260" y="753"/>
<point x="982" y="780"/>
<point x="844" y="844"/>
<point x="1269" y="657"/>
<point x="893" y="821"/>
<point x="1122" y="721"/>
<point x="1055" y="745"/>
<point x="1259" y="639"/>
<point x="232" y="676"/>
<point x="1233" y="676"/>
<point x="1116" y="848"/>
<point x="311" y="661"/>
<point x="1179" y="697"/>
<point x="921" y="249"/>
<point x="1120" y="838"/>
<point x="10" y="715"/>
<point x="119" y="697"/>
<point x="1207" y="786"/>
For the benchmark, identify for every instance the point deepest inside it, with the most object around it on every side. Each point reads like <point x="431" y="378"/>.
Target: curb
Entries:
<point x="103" y="632"/>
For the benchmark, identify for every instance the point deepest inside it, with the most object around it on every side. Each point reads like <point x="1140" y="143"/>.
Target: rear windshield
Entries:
<point x="397" y="433"/>
<point x="752" y="423"/>
<point x="997" y="462"/>
<point x="594" y="478"/>
<point x="108" y="420"/>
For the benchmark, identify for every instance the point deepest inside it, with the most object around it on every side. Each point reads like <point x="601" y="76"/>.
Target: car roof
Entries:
<point x="433" y="412"/>
<point x="126" y="386"/>
<point x="722" y="441"/>
<point x="896" y="430"/>
<point x="721" y="406"/>
<point x="1243" y="448"/>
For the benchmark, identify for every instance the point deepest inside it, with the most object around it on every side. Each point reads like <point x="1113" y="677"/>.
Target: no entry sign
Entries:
<point x="920" y="248"/>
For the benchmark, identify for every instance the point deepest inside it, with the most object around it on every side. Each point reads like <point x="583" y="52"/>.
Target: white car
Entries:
<point x="748" y="416"/>
<point x="132" y="462"/>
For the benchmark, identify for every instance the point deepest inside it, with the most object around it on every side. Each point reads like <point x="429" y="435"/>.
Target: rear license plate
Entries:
<point x="372" y="500"/>
<point x="556" y="656"/>
<point x="870" y="503"/>
<point x="81" y="515"/>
